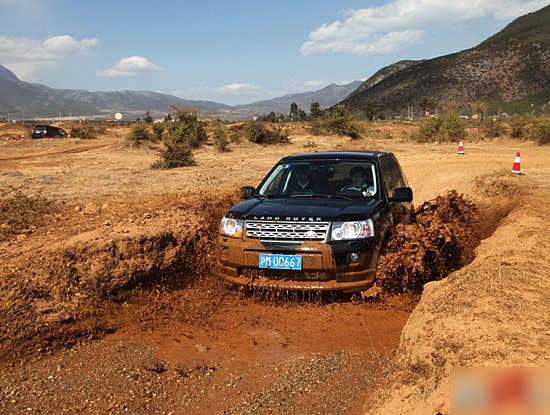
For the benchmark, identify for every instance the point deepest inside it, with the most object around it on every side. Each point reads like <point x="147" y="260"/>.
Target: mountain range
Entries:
<point x="506" y="72"/>
<point x="35" y="100"/>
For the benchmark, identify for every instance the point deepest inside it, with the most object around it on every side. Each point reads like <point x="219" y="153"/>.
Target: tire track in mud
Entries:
<point x="54" y="153"/>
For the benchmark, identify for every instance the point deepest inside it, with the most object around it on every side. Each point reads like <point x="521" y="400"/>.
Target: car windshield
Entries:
<point x="345" y="179"/>
<point x="39" y="129"/>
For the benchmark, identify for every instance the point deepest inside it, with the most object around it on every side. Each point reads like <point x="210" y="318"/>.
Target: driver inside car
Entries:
<point x="359" y="182"/>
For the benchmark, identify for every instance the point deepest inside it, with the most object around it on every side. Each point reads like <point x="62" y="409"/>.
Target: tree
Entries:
<point x="339" y="121"/>
<point x="302" y="116"/>
<point x="373" y="110"/>
<point x="427" y="104"/>
<point x="147" y="118"/>
<point x="293" y="114"/>
<point x="315" y="111"/>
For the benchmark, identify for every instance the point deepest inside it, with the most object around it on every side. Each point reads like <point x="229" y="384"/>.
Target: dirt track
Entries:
<point x="181" y="341"/>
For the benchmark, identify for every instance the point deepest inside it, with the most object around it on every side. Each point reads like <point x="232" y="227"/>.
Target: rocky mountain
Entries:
<point x="28" y="99"/>
<point x="505" y="72"/>
<point x="326" y="97"/>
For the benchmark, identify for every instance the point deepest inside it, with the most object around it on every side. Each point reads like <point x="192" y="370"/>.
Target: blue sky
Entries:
<point x="235" y="52"/>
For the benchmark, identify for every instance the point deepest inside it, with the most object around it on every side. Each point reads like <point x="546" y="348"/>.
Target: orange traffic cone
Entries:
<point x="460" y="148"/>
<point x="516" y="168"/>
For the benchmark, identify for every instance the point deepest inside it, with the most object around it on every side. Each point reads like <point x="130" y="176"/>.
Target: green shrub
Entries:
<point x="540" y="130"/>
<point x="337" y="121"/>
<point x="220" y="140"/>
<point x="175" y="155"/>
<point x="139" y="133"/>
<point x="158" y="129"/>
<point x="187" y="129"/>
<point x="443" y="128"/>
<point x="258" y="133"/>
<point x="492" y="128"/>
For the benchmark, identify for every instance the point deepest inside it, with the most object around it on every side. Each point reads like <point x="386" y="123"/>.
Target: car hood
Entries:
<point x="305" y="209"/>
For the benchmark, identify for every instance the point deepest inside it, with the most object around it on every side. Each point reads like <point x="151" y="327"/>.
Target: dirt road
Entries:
<point x="127" y="316"/>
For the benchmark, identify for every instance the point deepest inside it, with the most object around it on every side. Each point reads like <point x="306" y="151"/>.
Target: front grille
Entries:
<point x="287" y="231"/>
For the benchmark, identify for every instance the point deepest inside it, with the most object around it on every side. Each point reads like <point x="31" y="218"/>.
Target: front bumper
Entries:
<point x="325" y="266"/>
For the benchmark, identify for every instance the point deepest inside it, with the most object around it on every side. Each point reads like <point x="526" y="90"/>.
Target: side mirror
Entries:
<point x="247" y="192"/>
<point x="402" y="194"/>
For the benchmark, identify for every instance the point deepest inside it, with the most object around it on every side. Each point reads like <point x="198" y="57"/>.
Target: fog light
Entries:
<point x="224" y="252"/>
<point x="353" y="258"/>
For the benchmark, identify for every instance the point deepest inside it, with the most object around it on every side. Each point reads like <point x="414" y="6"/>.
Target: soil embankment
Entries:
<point x="492" y="312"/>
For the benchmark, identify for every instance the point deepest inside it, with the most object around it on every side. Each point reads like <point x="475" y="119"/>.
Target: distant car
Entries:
<point x="46" y="131"/>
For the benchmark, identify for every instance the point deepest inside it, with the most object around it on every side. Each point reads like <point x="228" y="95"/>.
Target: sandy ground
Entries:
<point x="124" y="317"/>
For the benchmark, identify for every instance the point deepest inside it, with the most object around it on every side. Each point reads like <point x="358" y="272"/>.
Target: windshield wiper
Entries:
<point x="321" y="196"/>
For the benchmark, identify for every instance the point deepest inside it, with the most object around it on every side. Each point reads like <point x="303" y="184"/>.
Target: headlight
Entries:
<point x="231" y="226"/>
<point x="361" y="229"/>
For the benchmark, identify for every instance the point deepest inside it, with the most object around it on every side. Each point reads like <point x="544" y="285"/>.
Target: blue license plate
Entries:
<point x="279" y="261"/>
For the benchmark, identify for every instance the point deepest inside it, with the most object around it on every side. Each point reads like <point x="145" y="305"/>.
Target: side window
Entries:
<point x="401" y="174"/>
<point x="391" y="176"/>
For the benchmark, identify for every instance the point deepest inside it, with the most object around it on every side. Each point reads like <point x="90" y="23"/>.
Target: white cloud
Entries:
<point x="55" y="48"/>
<point x="129" y="66"/>
<point x="25" y="57"/>
<point x="236" y="89"/>
<point x="398" y="24"/>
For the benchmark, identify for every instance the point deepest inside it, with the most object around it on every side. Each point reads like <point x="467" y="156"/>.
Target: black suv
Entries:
<point x="316" y="222"/>
<point x="45" y="131"/>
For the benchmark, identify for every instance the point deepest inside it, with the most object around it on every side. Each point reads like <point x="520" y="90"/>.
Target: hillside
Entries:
<point x="508" y="71"/>
<point x="30" y="100"/>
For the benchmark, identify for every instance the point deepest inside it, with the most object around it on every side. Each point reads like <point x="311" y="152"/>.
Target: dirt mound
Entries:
<point x="74" y="288"/>
<point x="441" y="240"/>
<point x="492" y="312"/>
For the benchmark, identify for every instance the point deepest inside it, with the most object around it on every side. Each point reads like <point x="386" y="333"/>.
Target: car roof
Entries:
<point x="336" y="155"/>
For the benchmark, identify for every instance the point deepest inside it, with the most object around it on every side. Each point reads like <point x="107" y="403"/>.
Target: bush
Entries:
<point x="338" y="121"/>
<point x="84" y="131"/>
<point x="492" y="128"/>
<point x="258" y="133"/>
<point x="220" y="140"/>
<point x="235" y="137"/>
<point x="187" y="129"/>
<point x="175" y="155"/>
<point x="158" y="129"/>
<point x="540" y="130"/>
<point x="517" y="125"/>
<point x="139" y="133"/>
<point x="442" y="128"/>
